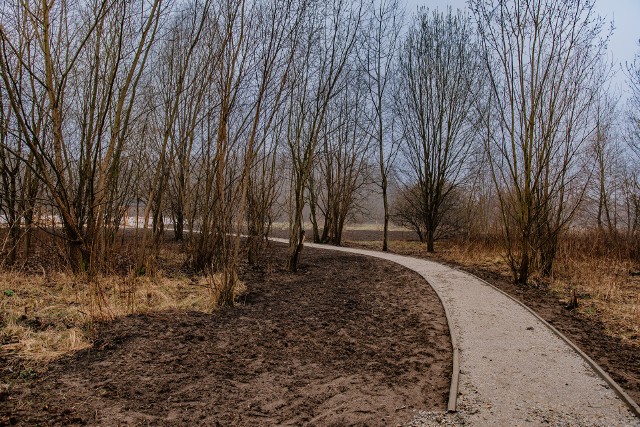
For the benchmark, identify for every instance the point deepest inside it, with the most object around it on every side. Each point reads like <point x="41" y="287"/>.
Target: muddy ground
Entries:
<point x="347" y="341"/>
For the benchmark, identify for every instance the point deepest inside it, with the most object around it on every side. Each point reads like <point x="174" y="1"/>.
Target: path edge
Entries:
<point x="455" y="370"/>
<point x="628" y="400"/>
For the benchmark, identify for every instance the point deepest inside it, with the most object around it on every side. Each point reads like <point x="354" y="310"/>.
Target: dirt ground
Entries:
<point x="618" y="358"/>
<point x="347" y="341"/>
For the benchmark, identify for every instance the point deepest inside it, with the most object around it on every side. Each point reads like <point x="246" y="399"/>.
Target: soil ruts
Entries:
<point x="348" y="340"/>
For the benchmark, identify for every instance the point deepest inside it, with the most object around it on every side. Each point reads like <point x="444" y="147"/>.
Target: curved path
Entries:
<point x="514" y="371"/>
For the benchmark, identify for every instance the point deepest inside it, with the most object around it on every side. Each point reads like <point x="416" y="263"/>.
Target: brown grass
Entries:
<point x="46" y="316"/>
<point x="601" y="273"/>
<point x="46" y="312"/>
<point x="597" y="270"/>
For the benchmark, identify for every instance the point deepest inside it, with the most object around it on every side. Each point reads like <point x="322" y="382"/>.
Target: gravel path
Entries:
<point x="513" y="370"/>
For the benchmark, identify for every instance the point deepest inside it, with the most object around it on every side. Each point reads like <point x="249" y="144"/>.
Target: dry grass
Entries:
<point x="45" y="312"/>
<point x="601" y="278"/>
<point x="43" y="317"/>
<point x="605" y="285"/>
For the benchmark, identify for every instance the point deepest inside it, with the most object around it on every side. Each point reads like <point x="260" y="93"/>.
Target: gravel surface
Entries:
<point x="513" y="370"/>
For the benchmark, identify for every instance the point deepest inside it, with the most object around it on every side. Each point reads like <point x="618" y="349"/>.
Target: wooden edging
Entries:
<point x="455" y="380"/>
<point x="633" y="406"/>
<point x="455" y="370"/>
<point x="455" y="376"/>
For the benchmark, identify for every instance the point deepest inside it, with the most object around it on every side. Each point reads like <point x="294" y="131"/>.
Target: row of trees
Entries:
<point x="215" y="115"/>
<point x="507" y="124"/>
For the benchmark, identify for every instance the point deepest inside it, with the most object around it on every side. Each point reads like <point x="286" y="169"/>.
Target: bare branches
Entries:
<point x="439" y="85"/>
<point x="544" y="64"/>
<point x="199" y="114"/>
<point x="332" y="31"/>
<point x="379" y="55"/>
<point x="74" y="129"/>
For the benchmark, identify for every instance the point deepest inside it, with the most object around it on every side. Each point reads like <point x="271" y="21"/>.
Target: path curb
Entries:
<point x="455" y="374"/>
<point x="455" y="377"/>
<point x="633" y="406"/>
<point x="455" y="370"/>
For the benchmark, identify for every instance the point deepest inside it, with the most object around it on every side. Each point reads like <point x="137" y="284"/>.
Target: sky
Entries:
<point x="623" y="44"/>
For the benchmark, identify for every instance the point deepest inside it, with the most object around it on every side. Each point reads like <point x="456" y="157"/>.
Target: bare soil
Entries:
<point x="619" y="358"/>
<point x="346" y="341"/>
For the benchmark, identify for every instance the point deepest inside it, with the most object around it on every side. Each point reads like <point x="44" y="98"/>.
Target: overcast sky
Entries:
<point x="625" y="15"/>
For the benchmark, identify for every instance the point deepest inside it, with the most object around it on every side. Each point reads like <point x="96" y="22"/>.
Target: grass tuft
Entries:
<point x="46" y="316"/>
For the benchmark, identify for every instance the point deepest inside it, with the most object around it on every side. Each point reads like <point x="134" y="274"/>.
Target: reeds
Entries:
<point x="46" y="316"/>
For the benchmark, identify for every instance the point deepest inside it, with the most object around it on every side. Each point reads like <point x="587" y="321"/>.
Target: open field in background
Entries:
<point x="402" y="232"/>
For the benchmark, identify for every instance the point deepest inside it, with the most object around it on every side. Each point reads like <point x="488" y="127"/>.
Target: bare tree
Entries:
<point x="20" y="185"/>
<point x="277" y="33"/>
<point x="86" y="88"/>
<point x="631" y="182"/>
<point x="254" y="53"/>
<point x="182" y="69"/>
<point x="631" y="191"/>
<point x="544" y="62"/>
<point x="382" y="39"/>
<point x="332" y="30"/>
<point x="12" y="172"/>
<point x="604" y="150"/>
<point x="212" y="249"/>
<point x="408" y="212"/>
<point x="633" y="109"/>
<point x="264" y="189"/>
<point x="438" y="85"/>
<point x="341" y="170"/>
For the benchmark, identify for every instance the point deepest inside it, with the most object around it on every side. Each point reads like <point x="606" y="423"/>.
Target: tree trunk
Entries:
<point x="385" y="201"/>
<point x="312" y="208"/>
<point x="28" y="232"/>
<point x="430" y="240"/>
<point x="178" y="226"/>
<point x="296" y="234"/>
<point x="14" y="233"/>
<point x="79" y="257"/>
<point x="522" y="276"/>
<point x="295" y="256"/>
<point x="547" y="256"/>
<point x="385" y="233"/>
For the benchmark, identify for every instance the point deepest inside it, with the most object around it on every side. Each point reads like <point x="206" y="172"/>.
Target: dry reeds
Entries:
<point x="601" y="270"/>
<point x="46" y="316"/>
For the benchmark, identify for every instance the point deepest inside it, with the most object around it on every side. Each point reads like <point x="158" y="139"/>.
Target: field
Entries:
<point x="346" y="340"/>
<point x="333" y="338"/>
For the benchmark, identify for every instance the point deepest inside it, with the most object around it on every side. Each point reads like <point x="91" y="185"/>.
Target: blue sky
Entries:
<point x="625" y="14"/>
